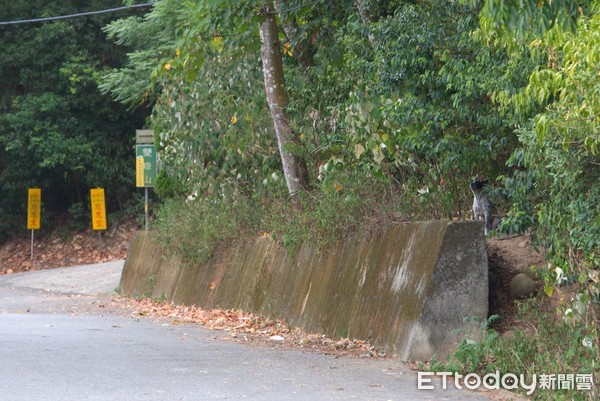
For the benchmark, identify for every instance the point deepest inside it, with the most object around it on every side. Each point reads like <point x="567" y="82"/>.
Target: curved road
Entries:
<point x="58" y="343"/>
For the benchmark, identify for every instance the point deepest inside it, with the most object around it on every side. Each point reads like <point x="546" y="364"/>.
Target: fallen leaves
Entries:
<point x="54" y="250"/>
<point x="60" y="250"/>
<point x="248" y="327"/>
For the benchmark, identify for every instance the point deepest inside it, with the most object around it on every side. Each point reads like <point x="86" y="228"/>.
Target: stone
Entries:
<point x="522" y="286"/>
<point x="530" y="272"/>
<point x="508" y="335"/>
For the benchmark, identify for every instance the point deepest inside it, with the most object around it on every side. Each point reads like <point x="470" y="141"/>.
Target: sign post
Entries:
<point x="98" y="211"/>
<point x="145" y="165"/>
<point x="34" y="212"/>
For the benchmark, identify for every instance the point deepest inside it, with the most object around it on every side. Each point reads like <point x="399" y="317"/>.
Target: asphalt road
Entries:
<point x="58" y="343"/>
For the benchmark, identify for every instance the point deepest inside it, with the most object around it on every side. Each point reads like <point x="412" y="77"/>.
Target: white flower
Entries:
<point x="560" y="276"/>
<point x="192" y="197"/>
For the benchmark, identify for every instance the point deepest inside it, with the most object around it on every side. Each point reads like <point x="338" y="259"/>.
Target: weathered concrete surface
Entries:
<point x="415" y="289"/>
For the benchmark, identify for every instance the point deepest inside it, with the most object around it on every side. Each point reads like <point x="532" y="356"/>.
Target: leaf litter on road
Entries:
<point x="247" y="327"/>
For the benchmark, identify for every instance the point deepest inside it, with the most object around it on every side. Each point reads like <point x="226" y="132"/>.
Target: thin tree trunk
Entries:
<point x="278" y="101"/>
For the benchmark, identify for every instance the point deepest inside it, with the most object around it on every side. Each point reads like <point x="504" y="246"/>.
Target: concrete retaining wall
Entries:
<point x="408" y="289"/>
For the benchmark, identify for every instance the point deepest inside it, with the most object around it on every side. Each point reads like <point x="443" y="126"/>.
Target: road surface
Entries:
<point x="57" y="342"/>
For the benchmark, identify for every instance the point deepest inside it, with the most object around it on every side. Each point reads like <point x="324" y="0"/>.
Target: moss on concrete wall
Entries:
<point x="408" y="289"/>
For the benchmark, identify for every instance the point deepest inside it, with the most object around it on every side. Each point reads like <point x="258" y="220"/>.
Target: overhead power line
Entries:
<point x="110" y="10"/>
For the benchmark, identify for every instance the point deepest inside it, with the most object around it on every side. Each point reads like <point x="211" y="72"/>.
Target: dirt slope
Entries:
<point x="506" y="258"/>
<point x="60" y="249"/>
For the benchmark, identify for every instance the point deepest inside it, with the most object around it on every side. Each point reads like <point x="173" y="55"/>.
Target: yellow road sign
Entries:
<point x="34" y="209"/>
<point x="98" y="209"/>
<point x="139" y="171"/>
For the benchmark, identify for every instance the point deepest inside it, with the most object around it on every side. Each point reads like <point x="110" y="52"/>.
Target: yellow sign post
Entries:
<point x="34" y="212"/>
<point x="98" y="209"/>
<point x="139" y="171"/>
<point x="34" y="208"/>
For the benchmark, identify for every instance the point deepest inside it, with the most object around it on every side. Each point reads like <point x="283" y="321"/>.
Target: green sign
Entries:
<point x="145" y="165"/>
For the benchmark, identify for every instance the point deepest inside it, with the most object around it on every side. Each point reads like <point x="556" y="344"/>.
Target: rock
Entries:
<point x="522" y="286"/>
<point x="529" y="271"/>
<point x="508" y="335"/>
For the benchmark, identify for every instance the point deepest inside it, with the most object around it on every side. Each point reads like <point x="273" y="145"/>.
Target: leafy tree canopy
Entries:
<point x="57" y="131"/>
<point x="415" y="98"/>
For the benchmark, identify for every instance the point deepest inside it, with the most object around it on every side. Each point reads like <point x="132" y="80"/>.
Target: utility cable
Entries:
<point x="110" y="10"/>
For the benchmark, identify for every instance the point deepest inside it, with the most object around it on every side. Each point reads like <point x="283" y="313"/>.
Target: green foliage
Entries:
<point x="317" y="219"/>
<point x="532" y="18"/>
<point x="134" y="82"/>
<point x="134" y="208"/>
<point x="544" y="345"/>
<point x="216" y="148"/>
<point x="557" y="187"/>
<point x="79" y="216"/>
<point x="422" y="116"/>
<point x="57" y="132"/>
<point x="6" y="225"/>
<point x="167" y="187"/>
<point x="411" y="112"/>
<point x="192" y="230"/>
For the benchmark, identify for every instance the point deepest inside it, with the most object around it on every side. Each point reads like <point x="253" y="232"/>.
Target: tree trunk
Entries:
<point x="277" y="99"/>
